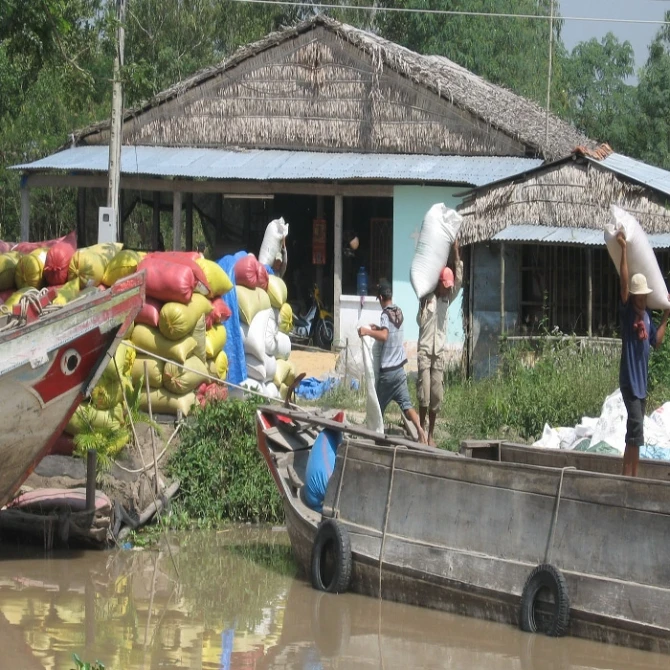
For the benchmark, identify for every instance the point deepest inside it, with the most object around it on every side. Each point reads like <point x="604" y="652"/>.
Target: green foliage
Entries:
<point x="659" y="372"/>
<point x="556" y="384"/>
<point x="222" y="473"/>
<point x="82" y="665"/>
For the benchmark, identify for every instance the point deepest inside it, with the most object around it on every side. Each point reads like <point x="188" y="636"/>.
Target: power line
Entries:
<point x="450" y="12"/>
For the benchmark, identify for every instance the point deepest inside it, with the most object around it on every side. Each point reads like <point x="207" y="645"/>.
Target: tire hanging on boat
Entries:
<point x="331" y="557"/>
<point x="545" y="576"/>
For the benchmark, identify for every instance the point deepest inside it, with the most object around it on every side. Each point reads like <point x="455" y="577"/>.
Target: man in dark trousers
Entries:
<point x="638" y="335"/>
<point x="392" y="382"/>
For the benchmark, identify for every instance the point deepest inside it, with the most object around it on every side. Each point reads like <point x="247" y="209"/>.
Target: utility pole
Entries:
<point x="108" y="219"/>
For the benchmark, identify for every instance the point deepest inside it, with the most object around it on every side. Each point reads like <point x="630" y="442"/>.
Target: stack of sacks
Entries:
<point x="264" y="323"/>
<point x="181" y="321"/>
<point x="105" y="407"/>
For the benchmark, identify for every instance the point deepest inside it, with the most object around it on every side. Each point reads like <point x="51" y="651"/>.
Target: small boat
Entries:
<point x="559" y="550"/>
<point x="50" y="359"/>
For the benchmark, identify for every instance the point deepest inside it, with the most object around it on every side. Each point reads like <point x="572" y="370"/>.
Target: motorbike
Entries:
<point x="315" y="325"/>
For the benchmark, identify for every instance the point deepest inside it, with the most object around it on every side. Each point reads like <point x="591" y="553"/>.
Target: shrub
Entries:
<point x="223" y="475"/>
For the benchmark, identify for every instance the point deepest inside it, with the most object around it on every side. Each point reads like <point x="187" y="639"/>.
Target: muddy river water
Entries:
<point x="231" y="600"/>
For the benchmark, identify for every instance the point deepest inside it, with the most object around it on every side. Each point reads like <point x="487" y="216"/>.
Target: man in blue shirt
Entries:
<point x="638" y="335"/>
<point x="392" y="382"/>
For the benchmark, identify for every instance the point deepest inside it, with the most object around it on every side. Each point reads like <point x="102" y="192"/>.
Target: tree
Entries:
<point x="603" y="105"/>
<point x="652" y="134"/>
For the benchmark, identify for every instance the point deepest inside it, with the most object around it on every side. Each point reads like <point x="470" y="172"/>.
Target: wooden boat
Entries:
<point x="50" y="359"/>
<point x="554" y="549"/>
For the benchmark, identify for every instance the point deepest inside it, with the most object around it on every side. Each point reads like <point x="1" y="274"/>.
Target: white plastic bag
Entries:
<point x="438" y="231"/>
<point x="271" y="334"/>
<point x="283" y="346"/>
<point x="275" y="232"/>
<point x="255" y="369"/>
<point x="641" y="257"/>
<point x="254" y="334"/>
<point x="611" y="426"/>
<point x="373" y="413"/>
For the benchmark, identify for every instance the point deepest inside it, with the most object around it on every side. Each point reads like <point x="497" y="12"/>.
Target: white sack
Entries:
<point x="549" y="439"/>
<point x="373" y="413"/>
<point x="275" y="232"/>
<point x="254" y="334"/>
<point x="611" y="426"/>
<point x="641" y="257"/>
<point x="270" y="390"/>
<point x="283" y="346"/>
<point x="255" y="369"/>
<point x="270" y="363"/>
<point x="271" y="334"/>
<point x="438" y="231"/>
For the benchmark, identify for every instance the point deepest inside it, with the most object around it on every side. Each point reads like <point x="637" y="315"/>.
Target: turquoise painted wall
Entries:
<point x="410" y="204"/>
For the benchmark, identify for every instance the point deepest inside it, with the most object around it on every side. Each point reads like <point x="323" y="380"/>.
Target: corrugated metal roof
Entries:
<point x="557" y="235"/>
<point x="645" y="174"/>
<point x="274" y="165"/>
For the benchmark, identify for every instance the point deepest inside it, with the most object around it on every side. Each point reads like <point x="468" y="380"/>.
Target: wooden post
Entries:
<point x="189" y="221"/>
<point x="25" y="211"/>
<point x="502" y="288"/>
<point x="151" y="419"/>
<point x="319" y="268"/>
<point x="81" y="217"/>
<point x="156" y="221"/>
<point x="176" y="220"/>
<point x="337" y="267"/>
<point x="471" y="308"/>
<point x="346" y="362"/>
<point x="589" y="291"/>
<point x="91" y="463"/>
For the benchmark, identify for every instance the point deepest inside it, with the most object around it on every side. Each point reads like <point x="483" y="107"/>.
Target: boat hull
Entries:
<point x="48" y="366"/>
<point x="463" y="535"/>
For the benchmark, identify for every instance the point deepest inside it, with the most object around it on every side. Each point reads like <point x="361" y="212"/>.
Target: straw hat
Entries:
<point x="638" y="285"/>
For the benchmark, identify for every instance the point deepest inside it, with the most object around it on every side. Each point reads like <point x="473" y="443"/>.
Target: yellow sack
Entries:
<point x="282" y="372"/>
<point x="154" y="371"/>
<point x="124" y="357"/>
<point x="165" y="402"/>
<point x="283" y="391"/>
<point x="122" y="265"/>
<point x="99" y="419"/>
<point x="216" y="340"/>
<point x="15" y="298"/>
<point x="290" y="377"/>
<point x="285" y="318"/>
<point x="218" y="280"/>
<point x="87" y="266"/>
<point x="8" y="262"/>
<point x="129" y="332"/>
<point x="180" y="381"/>
<point x="218" y="367"/>
<point x="107" y="393"/>
<point x="151" y="340"/>
<point x="30" y="269"/>
<point x="277" y="291"/>
<point x="176" y="320"/>
<point x="200" y="335"/>
<point x="250" y="302"/>
<point x="68" y="291"/>
<point x="107" y="250"/>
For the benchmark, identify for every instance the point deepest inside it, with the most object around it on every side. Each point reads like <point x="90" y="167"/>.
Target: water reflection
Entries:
<point x="236" y="605"/>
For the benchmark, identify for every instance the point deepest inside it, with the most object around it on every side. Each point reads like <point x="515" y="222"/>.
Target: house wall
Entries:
<point x="410" y="204"/>
<point x="486" y="328"/>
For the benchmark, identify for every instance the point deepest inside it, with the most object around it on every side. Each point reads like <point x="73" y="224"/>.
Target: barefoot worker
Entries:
<point x="638" y="335"/>
<point x="432" y="321"/>
<point x="392" y="382"/>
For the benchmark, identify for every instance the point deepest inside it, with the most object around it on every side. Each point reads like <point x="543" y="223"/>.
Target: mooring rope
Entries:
<point x="386" y="517"/>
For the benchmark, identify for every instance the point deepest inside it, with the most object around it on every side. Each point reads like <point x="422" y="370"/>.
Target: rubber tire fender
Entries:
<point x="331" y="549"/>
<point x="545" y="576"/>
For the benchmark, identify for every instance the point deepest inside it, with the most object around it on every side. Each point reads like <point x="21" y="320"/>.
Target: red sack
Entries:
<point x="211" y="392"/>
<point x="247" y="272"/>
<point x="220" y="313"/>
<point x="5" y="294"/>
<point x="58" y="259"/>
<point x="262" y="276"/>
<point x="150" y="313"/>
<point x="27" y="247"/>
<point x="167" y="281"/>
<point x="5" y="247"/>
<point x="185" y="258"/>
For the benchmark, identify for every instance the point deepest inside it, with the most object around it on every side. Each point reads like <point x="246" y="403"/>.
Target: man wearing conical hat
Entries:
<point x="638" y="335"/>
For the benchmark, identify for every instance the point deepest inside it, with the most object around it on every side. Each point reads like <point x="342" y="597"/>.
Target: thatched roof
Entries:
<point x="326" y="85"/>
<point x="575" y="192"/>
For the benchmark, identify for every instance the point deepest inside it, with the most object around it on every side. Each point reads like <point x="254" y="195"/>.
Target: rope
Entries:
<point x="158" y="458"/>
<point x="386" y="517"/>
<point x="552" y="528"/>
<point x="32" y="297"/>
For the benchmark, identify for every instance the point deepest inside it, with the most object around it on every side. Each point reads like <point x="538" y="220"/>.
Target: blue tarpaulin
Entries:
<point x="312" y="388"/>
<point x="234" y="347"/>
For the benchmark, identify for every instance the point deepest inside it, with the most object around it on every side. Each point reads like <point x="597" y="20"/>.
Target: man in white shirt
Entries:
<point x="432" y="320"/>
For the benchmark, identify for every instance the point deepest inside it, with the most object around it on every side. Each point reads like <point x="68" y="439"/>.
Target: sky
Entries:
<point x="639" y="35"/>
